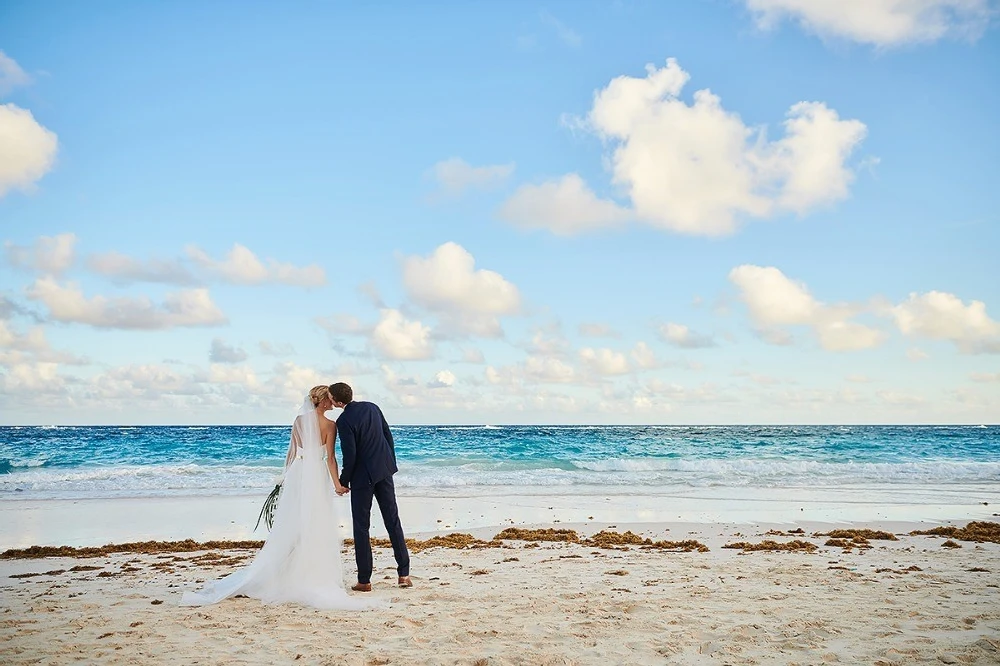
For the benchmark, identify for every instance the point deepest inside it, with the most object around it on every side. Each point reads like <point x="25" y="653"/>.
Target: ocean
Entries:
<point x="70" y="462"/>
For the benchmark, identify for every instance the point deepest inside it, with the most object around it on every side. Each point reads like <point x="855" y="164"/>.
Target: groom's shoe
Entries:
<point x="362" y="587"/>
<point x="404" y="581"/>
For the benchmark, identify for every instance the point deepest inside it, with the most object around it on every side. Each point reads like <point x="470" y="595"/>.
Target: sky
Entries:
<point x="614" y="212"/>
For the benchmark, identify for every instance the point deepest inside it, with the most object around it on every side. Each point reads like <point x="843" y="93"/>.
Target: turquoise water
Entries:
<point x="103" y="461"/>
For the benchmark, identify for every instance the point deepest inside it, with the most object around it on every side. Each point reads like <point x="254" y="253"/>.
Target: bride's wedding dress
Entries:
<point x="300" y="560"/>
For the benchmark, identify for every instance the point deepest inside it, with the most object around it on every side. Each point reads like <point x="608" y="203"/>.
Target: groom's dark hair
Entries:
<point x="341" y="392"/>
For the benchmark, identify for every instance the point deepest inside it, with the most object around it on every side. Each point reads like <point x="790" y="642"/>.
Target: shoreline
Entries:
<point x="93" y="522"/>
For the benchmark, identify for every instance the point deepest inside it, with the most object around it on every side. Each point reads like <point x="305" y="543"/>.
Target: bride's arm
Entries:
<point x="293" y="445"/>
<point x="331" y="459"/>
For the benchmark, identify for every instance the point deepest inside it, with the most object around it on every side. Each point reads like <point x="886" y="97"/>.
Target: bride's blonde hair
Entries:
<point x="318" y="394"/>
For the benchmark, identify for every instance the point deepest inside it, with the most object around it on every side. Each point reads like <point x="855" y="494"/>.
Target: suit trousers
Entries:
<point x="384" y="492"/>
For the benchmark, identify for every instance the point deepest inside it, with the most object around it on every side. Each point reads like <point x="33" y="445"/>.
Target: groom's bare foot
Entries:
<point x="404" y="581"/>
<point x="362" y="587"/>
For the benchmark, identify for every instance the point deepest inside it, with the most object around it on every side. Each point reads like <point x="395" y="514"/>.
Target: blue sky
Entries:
<point x="710" y="211"/>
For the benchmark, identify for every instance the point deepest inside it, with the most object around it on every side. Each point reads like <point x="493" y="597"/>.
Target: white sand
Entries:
<point x="555" y="604"/>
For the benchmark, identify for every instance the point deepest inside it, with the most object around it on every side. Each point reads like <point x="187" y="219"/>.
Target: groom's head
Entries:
<point x="341" y="394"/>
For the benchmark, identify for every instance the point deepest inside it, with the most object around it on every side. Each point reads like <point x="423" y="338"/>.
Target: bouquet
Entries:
<point x="270" y="505"/>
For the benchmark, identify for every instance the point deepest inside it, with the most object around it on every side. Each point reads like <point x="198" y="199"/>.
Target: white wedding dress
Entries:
<point x="300" y="560"/>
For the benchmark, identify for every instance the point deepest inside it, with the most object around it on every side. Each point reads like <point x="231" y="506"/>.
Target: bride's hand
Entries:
<point x="341" y="489"/>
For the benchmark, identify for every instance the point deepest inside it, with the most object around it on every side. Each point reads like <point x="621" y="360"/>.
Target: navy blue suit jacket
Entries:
<point x="369" y="454"/>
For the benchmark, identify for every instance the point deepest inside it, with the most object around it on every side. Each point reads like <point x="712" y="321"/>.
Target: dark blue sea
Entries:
<point x="142" y="461"/>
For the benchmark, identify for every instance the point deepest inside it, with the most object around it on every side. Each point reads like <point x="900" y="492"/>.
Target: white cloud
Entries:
<point x="548" y="370"/>
<point x="467" y="300"/>
<point x="191" y="307"/>
<point x="916" y="354"/>
<point x="222" y="352"/>
<point x="275" y="348"/>
<point x="455" y="175"/>
<point x="695" y="169"/>
<point x="443" y="379"/>
<point x="939" y="315"/>
<point x="241" y="266"/>
<point x="227" y="373"/>
<point x="399" y="338"/>
<point x="879" y="22"/>
<point x="901" y="399"/>
<point x="548" y="342"/>
<point x="985" y="376"/>
<point x="644" y="357"/>
<point x="535" y="370"/>
<point x="51" y="255"/>
<point x="23" y="376"/>
<point x="605" y="361"/>
<point x="680" y="335"/>
<point x="126" y="270"/>
<point x="28" y="149"/>
<point x="565" y="206"/>
<point x="11" y="74"/>
<point x="473" y="355"/>
<point x="774" y="300"/>
<point x="345" y="324"/>
<point x="597" y="330"/>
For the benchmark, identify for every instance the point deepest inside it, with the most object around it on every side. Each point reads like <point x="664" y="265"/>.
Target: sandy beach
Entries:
<point x="603" y="597"/>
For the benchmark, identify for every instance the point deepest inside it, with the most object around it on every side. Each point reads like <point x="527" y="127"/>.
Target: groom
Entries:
<point x="369" y="461"/>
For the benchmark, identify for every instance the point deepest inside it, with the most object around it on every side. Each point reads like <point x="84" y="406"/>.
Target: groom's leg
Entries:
<point x="385" y="494"/>
<point x="361" y="513"/>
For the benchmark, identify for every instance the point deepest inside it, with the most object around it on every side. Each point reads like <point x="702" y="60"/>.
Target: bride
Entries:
<point x="300" y="560"/>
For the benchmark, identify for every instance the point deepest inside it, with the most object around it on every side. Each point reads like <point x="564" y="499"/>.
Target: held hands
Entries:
<point x="341" y="489"/>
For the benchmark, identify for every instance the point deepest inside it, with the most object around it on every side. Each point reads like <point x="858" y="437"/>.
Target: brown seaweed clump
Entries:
<point x="548" y="534"/>
<point x="847" y="544"/>
<point x="977" y="530"/>
<point x="874" y="535"/>
<point x="951" y="544"/>
<point x="458" y="541"/>
<point x="796" y="545"/>
<point x="686" y="546"/>
<point x="141" y="547"/>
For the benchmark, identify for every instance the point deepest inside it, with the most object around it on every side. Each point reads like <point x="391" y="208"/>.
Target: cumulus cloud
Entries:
<point x="644" y="357"/>
<point x="397" y="337"/>
<point x="597" y="330"/>
<point x="605" y="361"/>
<point x="11" y="75"/>
<point x="775" y="301"/>
<point x="938" y="315"/>
<point x="191" y="307"/>
<point x="694" y="168"/>
<point x="879" y="22"/>
<point x="985" y="376"/>
<point x="443" y="379"/>
<point x="535" y="370"/>
<point x="28" y="149"/>
<point x="680" y="335"/>
<point x="344" y="324"/>
<point x="241" y="266"/>
<point x="123" y="269"/>
<point x="468" y="300"/>
<point x="268" y="348"/>
<point x="473" y="355"/>
<point x="51" y="255"/>
<point x="222" y="352"/>
<point x="564" y="206"/>
<point x="454" y="176"/>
